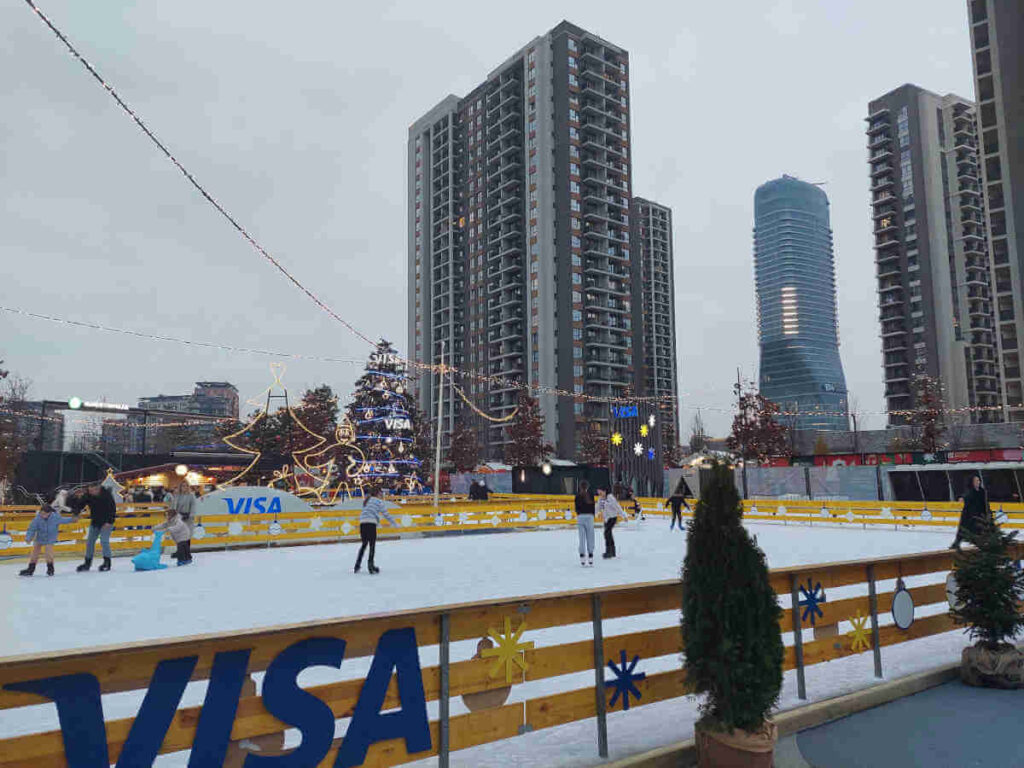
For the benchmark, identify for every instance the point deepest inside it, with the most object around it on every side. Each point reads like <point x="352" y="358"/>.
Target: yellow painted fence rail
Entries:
<point x="831" y="611"/>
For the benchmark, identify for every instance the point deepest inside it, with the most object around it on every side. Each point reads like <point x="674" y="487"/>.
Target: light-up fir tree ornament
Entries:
<point x="383" y="423"/>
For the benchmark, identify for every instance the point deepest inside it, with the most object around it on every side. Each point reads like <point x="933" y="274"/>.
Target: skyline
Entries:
<point x="714" y="311"/>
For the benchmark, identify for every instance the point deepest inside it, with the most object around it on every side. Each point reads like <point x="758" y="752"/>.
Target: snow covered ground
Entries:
<point x="224" y="591"/>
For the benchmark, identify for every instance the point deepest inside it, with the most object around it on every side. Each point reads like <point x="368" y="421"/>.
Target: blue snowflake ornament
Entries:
<point x="625" y="677"/>
<point x="812" y="597"/>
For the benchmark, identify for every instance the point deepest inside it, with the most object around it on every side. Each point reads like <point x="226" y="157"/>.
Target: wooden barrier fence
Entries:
<point x="625" y="664"/>
<point x="132" y="532"/>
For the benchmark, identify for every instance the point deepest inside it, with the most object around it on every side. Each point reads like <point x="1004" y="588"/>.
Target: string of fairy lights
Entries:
<point x="440" y="368"/>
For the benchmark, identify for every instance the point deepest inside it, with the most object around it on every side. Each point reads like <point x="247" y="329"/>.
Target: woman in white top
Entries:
<point x="369" y="518"/>
<point x="608" y="507"/>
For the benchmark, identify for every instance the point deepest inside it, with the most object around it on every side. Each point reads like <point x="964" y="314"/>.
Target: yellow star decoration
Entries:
<point x="859" y="636"/>
<point x="643" y="430"/>
<point x="617" y="438"/>
<point x="508" y="651"/>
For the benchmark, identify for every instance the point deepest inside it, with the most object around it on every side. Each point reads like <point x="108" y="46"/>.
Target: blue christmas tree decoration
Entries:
<point x="811" y="600"/>
<point x="624" y="680"/>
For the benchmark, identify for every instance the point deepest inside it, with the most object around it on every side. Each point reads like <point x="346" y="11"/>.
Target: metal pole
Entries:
<point x="440" y="416"/>
<point x="798" y="643"/>
<point x="602" y="704"/>
<point x="873" y="601"/>
<point x="443" y="726"/>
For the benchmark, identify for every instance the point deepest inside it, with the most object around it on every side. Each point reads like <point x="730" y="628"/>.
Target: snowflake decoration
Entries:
<point x="650" y="420"/>
<point x="859" y="636"/>
<point x="316" y="524"/>
<point x="346" y="528"/>
<point x="625" y="678"/>
<point x="6" y="540"/>
<point x="406" y="521"/>
<point x="234" y="529"/>
<point x="508" y="651"/>
<point x="650" y="454"/>
<point x="275" y="528"/>
<point x="926" y="514"/>
<point x="638" y="449"/>
<point x="644" y="430"/>
<point x="617" y="438"/>
<point x="811" y="600"/>
<point x="850" y="516"/>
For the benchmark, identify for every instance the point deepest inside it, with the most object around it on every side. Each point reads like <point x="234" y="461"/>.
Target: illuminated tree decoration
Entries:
<point x="382" y="420"/>
<point x="617" y="438"/>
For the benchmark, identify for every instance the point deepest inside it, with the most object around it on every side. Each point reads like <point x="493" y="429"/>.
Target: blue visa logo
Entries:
<point x="247" y="505"/>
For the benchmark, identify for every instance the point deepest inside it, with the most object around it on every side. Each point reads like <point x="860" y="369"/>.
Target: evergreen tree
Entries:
<point x="526" y="447"/>
<point x="731" y="635"/>
<point x="383" y="423"/>
<point x="464" y="452"/>
<point x="989" y="588"/>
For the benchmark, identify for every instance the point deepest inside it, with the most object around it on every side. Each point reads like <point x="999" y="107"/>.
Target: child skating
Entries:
<point x="369" y="518"/>
<point x="44" y="531"/>
<point x="180" y="533"/>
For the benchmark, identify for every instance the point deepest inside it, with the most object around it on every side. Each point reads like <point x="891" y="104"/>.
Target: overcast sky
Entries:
<point x="296" y="118"/>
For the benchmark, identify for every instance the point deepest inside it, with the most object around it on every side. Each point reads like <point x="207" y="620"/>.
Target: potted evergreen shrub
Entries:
<point x="989" y="594"/>
<point x="731" y="636"/>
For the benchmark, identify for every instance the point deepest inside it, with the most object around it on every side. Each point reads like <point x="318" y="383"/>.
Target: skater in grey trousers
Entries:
<point x="584" y="503"/>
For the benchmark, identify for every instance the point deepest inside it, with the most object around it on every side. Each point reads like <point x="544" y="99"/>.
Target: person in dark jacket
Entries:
<point x="102" y="512"/>
<point x="584" y="505"/>
<point x="677" y="501"/>
<point x="975" y="513"/>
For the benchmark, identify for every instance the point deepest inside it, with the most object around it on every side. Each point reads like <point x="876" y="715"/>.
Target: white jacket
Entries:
<point x="609" y="507"/>
<point x="372" y="511"/>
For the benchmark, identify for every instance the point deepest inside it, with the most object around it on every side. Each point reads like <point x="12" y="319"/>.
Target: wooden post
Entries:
<point x="798" y="644"/>
<point x="873" y="600"/>
<point x="443" y="703"/>
<point x="602" y="714"/>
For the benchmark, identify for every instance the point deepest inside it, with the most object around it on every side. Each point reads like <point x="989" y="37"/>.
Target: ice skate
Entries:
<point x="28" y="571"/>
<point x="106" y="564"/>
<point x="85" y="566"/>
<point x="49" y="569"/>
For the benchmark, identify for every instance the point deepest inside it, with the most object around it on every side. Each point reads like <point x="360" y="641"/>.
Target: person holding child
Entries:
<point x="43" y="532"/>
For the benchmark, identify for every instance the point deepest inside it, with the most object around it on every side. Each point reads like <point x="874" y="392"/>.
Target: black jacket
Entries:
<point x="102" y="508"/>
<point x="676" y="500"/>
<point x="975" y="509"/>
<point x="584" y="504"/>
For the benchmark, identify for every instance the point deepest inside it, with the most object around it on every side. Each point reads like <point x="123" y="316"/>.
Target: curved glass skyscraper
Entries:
<point x="796" y="305"/>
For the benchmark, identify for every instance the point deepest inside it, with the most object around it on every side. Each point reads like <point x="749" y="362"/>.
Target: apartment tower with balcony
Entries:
<point x="652" y="244"/>
<point x="931" y="253"/>
<point x="997" y="43"/>
<point x="796" y="305"/>
<point x="519" y="248"/>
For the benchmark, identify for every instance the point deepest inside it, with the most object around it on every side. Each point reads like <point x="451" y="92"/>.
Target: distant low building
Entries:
<point x="209" y="398"/>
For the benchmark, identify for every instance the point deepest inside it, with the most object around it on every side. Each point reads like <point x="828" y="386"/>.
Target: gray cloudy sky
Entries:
<point x="296" y="118"/>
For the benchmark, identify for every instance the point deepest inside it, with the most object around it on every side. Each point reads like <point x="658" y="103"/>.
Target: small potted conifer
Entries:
<point x="731" y="637"/>
<point x="989" y="594"/>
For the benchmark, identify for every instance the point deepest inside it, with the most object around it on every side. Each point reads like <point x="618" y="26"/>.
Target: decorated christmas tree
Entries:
<point x="384" y="423"/>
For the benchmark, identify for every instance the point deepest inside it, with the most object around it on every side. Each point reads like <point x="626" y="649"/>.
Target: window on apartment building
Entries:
<point x="577" y="316"/>
<point x="577" y="408"/>
<point x="577" y="389"/>
<point x="577" y="371"/>
<point x="577" y="278"/>
<point x="577" y="297"/>
<point x="574" y="186"/>
<point x="572" y="44"/>
<point x="575" y="222"/>
<point x="574" y="151"/>
<point x="573" y="80"/>
<point x="573" y="133"/>
<point x="574" y="115"/>
<point x="576" y="260"/>
<point x="575" y="241"/>
<point x="532" y="126"/>
<point x="534" y="267"/>
<point x="572" y="61"/>
<point x="577" y="352"/>
<point x="575" y="205"/>
<point x="577" y="334"/>
<point x="574" y="169"/>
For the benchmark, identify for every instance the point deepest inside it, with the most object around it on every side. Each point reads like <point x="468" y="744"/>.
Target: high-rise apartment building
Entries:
<point x="796" y="305"/>
<point x="931" y="252"/>
<point x="652" y="244"/>
<point x="520" y="259"/>
<point x="997" y="42"/>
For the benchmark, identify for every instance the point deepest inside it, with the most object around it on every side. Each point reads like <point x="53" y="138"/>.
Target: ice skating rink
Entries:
<point x="224" y="591"/>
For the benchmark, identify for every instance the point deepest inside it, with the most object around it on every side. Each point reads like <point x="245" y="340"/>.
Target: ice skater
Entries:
<point x="184" y="503"/>
<point x="102" y="512"/>
<point x="975" y="514"/>
<point x="584" y="504"/>
<point x="180" y="533"/>
<point x="369" y="518"/>
<point x="44" y="530"/>
<point x="610" y="511"/>
<point x="677" y="501"/>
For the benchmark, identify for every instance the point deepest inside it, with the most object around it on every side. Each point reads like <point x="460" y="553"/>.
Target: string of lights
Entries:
<point x="478" y="412"/>
<point x="423" y="366"/>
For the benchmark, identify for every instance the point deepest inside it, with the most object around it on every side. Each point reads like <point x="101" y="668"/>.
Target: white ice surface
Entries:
<point x="224" y="591"/>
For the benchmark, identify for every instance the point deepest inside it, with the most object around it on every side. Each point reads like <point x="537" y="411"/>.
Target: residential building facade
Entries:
<point x="652" y="243"/>
<point x="931" y="253"/>
<point x="800" y="369"/>
<point x="519" y="251"/>
<point x="997" y="46"/>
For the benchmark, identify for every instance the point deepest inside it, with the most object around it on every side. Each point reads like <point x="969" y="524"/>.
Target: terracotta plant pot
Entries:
<point x="1003" y="668"/>
<point x="739" y="749"/>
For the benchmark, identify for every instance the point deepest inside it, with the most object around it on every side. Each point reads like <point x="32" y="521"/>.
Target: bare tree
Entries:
<point x="15" y="432"/>
<point x="698" y="437"/>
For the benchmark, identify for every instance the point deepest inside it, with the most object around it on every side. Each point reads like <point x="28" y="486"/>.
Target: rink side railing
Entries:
<point x="506" y="512"/>
<point x="815" y="630"/>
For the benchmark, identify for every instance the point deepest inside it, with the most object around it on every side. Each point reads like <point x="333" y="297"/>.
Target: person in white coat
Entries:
<point x="610" y="511"/>
<point x="369" y="518"/>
